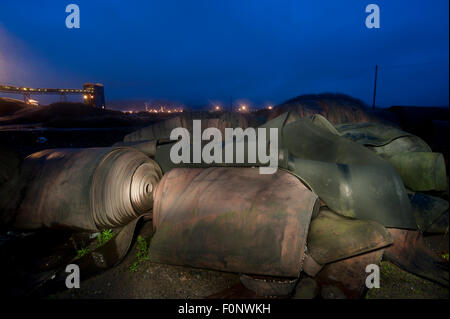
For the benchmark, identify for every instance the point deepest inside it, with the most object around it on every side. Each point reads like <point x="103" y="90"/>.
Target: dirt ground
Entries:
<point x="398" y="284"/>
<point x="151" y="280"/>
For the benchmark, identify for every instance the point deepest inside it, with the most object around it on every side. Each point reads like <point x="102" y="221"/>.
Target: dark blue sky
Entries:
<point x="195" y="51"/>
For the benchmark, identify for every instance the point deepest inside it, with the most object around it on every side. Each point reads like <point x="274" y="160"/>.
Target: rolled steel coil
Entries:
<point x="85" y="189"/>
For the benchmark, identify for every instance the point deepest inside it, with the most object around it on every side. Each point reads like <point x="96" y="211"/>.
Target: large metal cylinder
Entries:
<point x="86" y="189"/>
<point x="232" y="219"/>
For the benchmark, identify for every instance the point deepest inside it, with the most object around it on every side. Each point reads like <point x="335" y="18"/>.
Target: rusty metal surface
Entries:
<point x="310" y="266"/>
<point x="85" y="189"/>
<point x="346" y="175"/>
<point x="410" y="253"/>
<point x="347" y="276"/>
<point x="265" y="286"/>
<point x="333" y="237"/>
<point x="232" y="219"/>
<point x="431" y="212"/>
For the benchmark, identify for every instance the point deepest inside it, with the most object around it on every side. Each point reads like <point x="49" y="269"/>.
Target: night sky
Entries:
<point x="196" y="52"/>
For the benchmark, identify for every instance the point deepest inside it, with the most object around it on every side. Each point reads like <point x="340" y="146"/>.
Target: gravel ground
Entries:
<point x="160" y="281"/>
<point x="151" y="280"/>
<point x="398" y="284"/>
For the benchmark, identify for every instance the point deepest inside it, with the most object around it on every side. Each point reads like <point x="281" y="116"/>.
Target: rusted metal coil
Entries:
<point x="86" y="189"/>
<point x="232" y="219"/>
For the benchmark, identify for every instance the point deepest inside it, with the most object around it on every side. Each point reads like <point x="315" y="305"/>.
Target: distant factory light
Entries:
<point x="164" y="109"/>
<point x="32" y="102"/>
<point x="270" y="107"/>
<point x="243" y="108"/>
<point x="85" y="97"/>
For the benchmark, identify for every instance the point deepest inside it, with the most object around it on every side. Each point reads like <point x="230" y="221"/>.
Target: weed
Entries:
<point x="141" y="254"/>
<point x="134" y="267"/>
<point x="142" y="249"/>
<point x="104" y="237"/>
<point x="81" y="252"/>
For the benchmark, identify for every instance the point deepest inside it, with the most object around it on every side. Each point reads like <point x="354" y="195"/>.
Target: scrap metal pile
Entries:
<point x="344" y="197"/>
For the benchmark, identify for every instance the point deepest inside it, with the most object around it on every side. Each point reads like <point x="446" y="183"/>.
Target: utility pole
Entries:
<point x="231" y="104"/>
<point x="375" y="87"/>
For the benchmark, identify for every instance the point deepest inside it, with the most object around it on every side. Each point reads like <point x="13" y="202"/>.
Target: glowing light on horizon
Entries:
<point x="33" y="102"/>
<point x="164" y="109"/>
<point x="243" y="108"/>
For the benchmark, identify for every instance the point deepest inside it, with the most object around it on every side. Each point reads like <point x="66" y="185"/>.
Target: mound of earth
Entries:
<point x="10" y="106"/>
<point x="336" y="107"/>
<point x="71" y="115"/>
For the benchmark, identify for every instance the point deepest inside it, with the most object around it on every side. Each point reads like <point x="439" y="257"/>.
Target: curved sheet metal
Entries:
<point x="333" y="237"/>
<point x="162" y="156"/>
<point x="319" y="121"/>
<point x="431" y="212"/>
<point x="349" y="178"/>
<point x="367" y="192"/>
<point x="232" y="219"/>
<point x="85" y="189"/>
<point x="411" y="253"/>
<point x="421" y="171"/>
<point x="375" y="134"/>
<point x="347" y="278"/>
